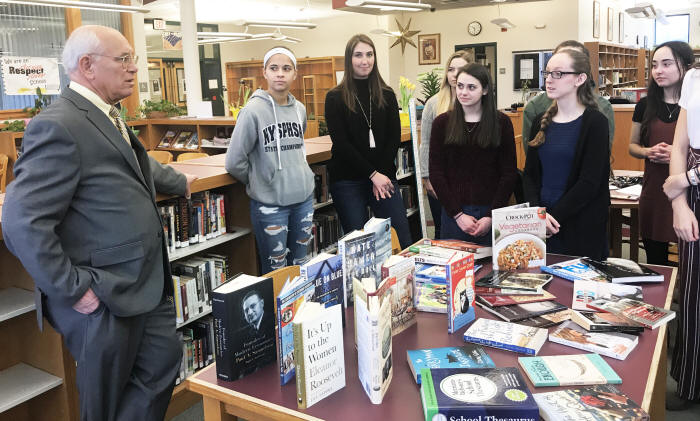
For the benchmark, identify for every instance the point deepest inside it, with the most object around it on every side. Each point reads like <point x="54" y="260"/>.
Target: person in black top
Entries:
<point x="363" y="121"/>
<point x="653" y="126"/>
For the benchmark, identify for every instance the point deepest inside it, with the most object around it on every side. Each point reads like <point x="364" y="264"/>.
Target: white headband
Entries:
<point x="279" y="50"/>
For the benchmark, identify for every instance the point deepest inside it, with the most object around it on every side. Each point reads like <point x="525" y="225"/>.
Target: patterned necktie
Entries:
<point x="114" y="113"/>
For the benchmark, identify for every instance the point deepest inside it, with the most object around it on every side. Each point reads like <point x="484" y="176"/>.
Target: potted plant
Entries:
<point x="40" y="102"/>
<point x="160" y="109"/>
<point x="241" y="101"/>
<point x="430" y="82"/>
<point x="13" y="126"/>
<point x="525" y="90"/>
<point x="406" y="88"/>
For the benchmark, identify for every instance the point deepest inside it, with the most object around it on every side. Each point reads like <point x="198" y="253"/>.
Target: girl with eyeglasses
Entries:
<point x="567" y="167"/>
<point x="653" y="125"/>
<point x="472" y="158"/>
<point x="436" y="105"/>
<point x="362" y="115"/>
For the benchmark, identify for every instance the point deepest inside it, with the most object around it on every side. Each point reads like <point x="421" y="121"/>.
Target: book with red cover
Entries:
<point x="479" y="251"/>
<point x="505" y="300"/>
<point x="638" y="311"/>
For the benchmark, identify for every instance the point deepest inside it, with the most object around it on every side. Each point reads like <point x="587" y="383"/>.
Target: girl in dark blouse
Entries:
<point x="472" y="158"/>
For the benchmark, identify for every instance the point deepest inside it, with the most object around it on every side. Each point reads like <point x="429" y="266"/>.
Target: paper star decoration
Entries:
<point x="405" y="36"/>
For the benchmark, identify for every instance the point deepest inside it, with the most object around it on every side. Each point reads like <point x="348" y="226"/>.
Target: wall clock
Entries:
<point x="474" y="28"/>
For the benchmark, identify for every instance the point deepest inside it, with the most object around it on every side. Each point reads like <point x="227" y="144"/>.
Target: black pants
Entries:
<point x="657" y="251"/>
<point x="126" y="365"/>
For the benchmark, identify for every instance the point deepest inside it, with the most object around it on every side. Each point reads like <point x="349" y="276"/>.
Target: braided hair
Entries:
<point x="580" y="63"/>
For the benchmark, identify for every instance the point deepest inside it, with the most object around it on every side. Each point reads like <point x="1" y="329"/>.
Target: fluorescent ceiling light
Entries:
<point x="276" y="24"/>
<point x="642" y="11"/>
<point x="223" y="35"/>
<point x="503" y="23"/>
<point x="81" y="5"/>
<point x="389" y="5"/>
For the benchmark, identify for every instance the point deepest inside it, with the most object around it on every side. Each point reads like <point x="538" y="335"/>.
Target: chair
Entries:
<point x="190" y="155"/>
<point x="3" y="172"/>
<point x="279" y="277"/>
<point x="395" y="245"/>
<point x="164" y="157"/>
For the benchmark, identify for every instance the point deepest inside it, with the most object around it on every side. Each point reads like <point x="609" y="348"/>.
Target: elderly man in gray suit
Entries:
<point x="81" y="216"/>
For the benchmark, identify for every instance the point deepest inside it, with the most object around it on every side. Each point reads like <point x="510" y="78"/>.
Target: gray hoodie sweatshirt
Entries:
<point x="267" y="151"/>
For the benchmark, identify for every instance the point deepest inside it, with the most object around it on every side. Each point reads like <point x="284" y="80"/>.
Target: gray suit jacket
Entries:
<point x="81" y="212"/>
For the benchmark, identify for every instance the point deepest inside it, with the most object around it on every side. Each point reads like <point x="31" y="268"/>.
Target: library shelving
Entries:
<point x="10" y="143"/>
<point x="37" y="374"/>
<point x="617" y="66"/>
<point x="151" y="131"/>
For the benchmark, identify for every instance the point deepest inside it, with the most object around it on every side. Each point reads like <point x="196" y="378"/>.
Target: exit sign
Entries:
<point x="158" y="24"/>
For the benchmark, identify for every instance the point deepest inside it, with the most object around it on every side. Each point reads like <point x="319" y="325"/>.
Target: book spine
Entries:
<point x="298" y="332"/>
<point x="499" y="345"/>
<point x="280" y="348"/>
<point x="224" y="361"/>
<point x="559" y="273"/>
<point x="585" y="347"/>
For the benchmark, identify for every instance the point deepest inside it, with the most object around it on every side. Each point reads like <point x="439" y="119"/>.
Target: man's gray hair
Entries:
<point x="83" y="40"/>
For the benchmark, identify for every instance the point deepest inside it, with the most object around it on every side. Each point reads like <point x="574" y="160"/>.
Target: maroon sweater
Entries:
<point x="472" y="175"/>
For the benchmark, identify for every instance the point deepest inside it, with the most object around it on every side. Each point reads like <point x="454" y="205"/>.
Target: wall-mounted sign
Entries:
<point x="172" y="41"/>
<point x="22" y="75"/>
<point x="159" y="24"/>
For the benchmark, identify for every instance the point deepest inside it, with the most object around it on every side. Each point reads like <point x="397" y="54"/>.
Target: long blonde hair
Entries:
<point x="444" y="96"/>
<point x="584" y="93"/>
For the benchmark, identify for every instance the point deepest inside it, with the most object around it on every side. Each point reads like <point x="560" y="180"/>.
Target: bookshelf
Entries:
<point x="151" y="131"/>
<point x="616" y="66"/>
<point x="310" y="98"/>
<point x="10" y="144"/>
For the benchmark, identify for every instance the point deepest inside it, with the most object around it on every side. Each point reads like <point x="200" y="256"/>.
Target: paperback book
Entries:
<point x="477" y="250"/>
<point x="515" y="281"/>
<point x="611" y="344"/>
<point x="476" y="394"/>
<point x="433" y="255"/>
<point x="489" y="291"/>
<point x="589" y="403"/>
<point x="638" y="311"/>
<point x="623" y="271"/>
<point x="518" y="237"/>
<point x="547" y="320"/>
<point x="244" y="323"/>
<point x="588" y="291"/>
<point x="574" y="269"/>
<point x="168" y="138"/>
<point x="506" y="335"/>
<point x="431" y="297"/>
<point x="460" y="289"/>
<point x="359" y="260"/>
<point x="506" y="300"/>
<point x="318" y="352"/>
<point x="381" y="229"/>
<point x="516" y="312"/>
<point x="403" y="309"/>
<point x="568" y="370"/>
<point x="325" y="272"/>
<point x="605" y="322"/>
<point x="181" y="139"/>
<point x="293" y="294"/>
<point x="466" y="356"/>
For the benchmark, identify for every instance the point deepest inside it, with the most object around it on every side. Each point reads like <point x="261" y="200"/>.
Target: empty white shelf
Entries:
<point x="14" y="302"/>
<point x="22" y="382"/>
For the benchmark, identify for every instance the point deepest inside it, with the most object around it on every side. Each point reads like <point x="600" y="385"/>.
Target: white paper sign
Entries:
<point x="527" y="68"/>
<point x="22" y="75"/>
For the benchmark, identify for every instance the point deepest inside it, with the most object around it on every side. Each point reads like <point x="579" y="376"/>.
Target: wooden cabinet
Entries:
<point x="10" y="144"/>
<point x="615" y="66"/>
<point x="315" y="77"/>
<point x="152" y="131"/>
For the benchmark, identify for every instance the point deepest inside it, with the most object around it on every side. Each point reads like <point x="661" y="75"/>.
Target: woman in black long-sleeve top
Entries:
<point x="363" y="121"/>
<point x="567" y="163"/>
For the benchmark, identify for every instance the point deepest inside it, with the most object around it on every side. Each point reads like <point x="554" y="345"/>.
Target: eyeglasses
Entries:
<point x="557" y="74"/>
<point x="125" y="59"/>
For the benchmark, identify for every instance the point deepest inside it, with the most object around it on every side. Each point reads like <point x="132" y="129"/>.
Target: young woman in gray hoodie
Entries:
<point x="267" y="154"/>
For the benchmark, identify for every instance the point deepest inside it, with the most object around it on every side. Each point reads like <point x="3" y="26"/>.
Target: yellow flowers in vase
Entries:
<point x="406" y="89"/>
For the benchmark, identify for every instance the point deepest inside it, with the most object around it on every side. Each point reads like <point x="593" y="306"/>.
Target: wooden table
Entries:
<point x="260" y="396"/>
<point x="617" y="219"/>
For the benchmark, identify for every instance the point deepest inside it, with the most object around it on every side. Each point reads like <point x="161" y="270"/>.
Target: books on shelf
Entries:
<point x="403" y="309"/>
<point x="599" y="402"/>
<point x="605" y="322"/>
<point x="465" y="356"/>
<point x="506" y="335"/>
<point x="623" y="271"/>
<point x="611" y="344"/>
<point x="198" y="348"/>
<point x="326" y="230"/>
<point x="518" y="237"/>
<point x="168" y="138"/>
<point x="182" y="138"/>
<point x="404" y="163"/>
<point x="357" y="250"/>
<point x="460" y="290"/>
<point x="568" y="370"/>
<point x="506" y="300"/>
<point x="587" y="291"/>
<point x="574" y="269"/>
<point x="192" y="142"/>
<point x="193" y="221"/>
<point x="638" y="311"/>
<point x="373" y="336"/>
<point x="244" y="322"/>
<point x="321" y="177"/>
<point x="517" y="312"/>
<point x="318" y="352"/>
<point x="476" y="394"/>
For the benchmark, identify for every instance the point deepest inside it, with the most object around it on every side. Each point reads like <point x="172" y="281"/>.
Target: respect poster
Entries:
<point x="22" y="75"/>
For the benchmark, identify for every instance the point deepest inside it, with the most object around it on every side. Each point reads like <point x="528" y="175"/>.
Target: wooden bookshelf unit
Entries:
<point x="616" y="66"/>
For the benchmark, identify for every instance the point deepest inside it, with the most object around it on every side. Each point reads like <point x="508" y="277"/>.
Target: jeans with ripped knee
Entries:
<point x="282" y="233"/>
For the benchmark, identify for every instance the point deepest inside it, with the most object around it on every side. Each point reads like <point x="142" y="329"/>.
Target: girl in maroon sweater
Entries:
<point x="472" y="158"/>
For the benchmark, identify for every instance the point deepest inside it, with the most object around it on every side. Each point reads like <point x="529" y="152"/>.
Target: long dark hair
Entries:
<point x="683" y="56"/>
<point x="376" y="83"/>
<point x="580" y="63"/>
<point x="488" y="132"/>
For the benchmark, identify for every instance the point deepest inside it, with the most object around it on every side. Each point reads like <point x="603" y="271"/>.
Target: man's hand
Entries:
<point x="188" y="188"/>
<point x="88" y="303"/>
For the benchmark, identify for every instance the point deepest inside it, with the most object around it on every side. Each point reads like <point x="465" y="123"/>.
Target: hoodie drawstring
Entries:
<point x="276" y="132"/>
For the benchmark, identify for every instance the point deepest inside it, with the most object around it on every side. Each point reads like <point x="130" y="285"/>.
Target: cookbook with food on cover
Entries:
<point x="518" y="237"/>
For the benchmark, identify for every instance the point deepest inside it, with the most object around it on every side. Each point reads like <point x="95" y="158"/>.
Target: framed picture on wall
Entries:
<point x="596" y="19"/>
<point x="611" y="19"/>
<point x="429" y="49"/>
<point x="621" y="27"/>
